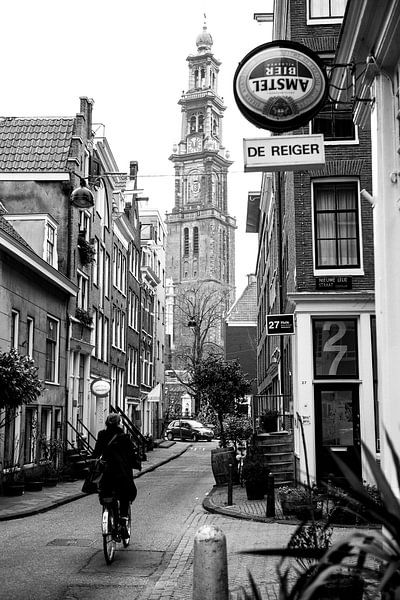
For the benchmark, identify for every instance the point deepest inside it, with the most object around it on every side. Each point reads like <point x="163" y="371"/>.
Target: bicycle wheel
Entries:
<point x="109" y="543"/>
<point x="126" y="533"/>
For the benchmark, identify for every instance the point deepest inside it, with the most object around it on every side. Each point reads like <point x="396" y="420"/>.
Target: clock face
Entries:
<point x="194" y="144"/>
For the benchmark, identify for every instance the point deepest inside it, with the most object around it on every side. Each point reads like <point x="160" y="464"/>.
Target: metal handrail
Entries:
<point x="90" y="434"/>
<point x="81" y="439"/>
<point x="133" y="430"/>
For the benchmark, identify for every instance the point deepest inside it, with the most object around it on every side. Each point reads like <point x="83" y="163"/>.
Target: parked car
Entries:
<point x="187" y="429"/>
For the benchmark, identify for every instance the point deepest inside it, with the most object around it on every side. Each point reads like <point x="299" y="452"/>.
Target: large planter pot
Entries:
<point x="269" y="424"/>
<point x="13" y="489"/>
<point x="50" y="481"/>
<point x="341" y="516"/>
<point x="255" y="490"/>
<point x="339" y="587"/>
<point x="221" y="458"/>
<point x="301" y="511"/>
<point x="33" y="486"/>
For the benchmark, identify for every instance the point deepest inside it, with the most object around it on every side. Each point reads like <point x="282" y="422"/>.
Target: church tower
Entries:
<point x="201" y="233"/>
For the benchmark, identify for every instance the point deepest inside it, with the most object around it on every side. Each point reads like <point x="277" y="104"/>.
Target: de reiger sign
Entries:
<point x="280" y="86"/>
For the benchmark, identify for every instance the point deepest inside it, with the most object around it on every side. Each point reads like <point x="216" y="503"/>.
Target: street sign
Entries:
<point x="284" y="153"/>
<point x="280" y="324"/>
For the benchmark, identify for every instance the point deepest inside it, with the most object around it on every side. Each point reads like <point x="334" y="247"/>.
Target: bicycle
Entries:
<point x="113" y="533"/>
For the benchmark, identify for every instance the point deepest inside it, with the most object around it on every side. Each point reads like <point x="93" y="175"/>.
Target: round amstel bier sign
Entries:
<point x="280" y="86"/>
<point x="100" y="387"/>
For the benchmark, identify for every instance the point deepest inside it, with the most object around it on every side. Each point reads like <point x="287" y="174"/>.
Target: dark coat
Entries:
<point x="120" y="456"/>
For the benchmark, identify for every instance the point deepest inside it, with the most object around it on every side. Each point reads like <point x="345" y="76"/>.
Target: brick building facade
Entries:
<point x="316" y="261"/>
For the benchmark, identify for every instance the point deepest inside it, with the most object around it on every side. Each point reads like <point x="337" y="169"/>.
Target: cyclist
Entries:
<point x="120" y="456"/>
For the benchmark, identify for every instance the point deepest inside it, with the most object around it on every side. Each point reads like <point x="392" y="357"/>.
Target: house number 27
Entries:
<point x="331" y="344"/>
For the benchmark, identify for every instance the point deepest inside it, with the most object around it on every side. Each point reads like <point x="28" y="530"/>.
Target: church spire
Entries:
<point x="204" y="41"/>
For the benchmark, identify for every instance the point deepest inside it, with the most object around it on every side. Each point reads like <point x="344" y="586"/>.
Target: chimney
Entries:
<point x="133" y="169"/>
<point x="252" y="279"/>
<point x="86" y="109"/>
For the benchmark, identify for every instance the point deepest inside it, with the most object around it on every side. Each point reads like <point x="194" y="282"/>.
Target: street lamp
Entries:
<point x="82" y="196"/>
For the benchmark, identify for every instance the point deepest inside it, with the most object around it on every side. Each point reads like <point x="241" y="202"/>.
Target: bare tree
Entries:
<point x="198" y="312"/>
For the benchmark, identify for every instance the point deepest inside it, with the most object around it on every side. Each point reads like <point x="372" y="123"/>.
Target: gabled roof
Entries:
<point x="35" y="145"/>
<point x="245" y="308"/>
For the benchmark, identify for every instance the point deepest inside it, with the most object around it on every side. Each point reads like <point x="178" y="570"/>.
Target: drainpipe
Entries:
<point x="280" y="275"/>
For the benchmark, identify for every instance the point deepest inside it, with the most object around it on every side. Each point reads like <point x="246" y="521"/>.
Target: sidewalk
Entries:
<point x="31" y="503"/>
<point x="241" y="508"/>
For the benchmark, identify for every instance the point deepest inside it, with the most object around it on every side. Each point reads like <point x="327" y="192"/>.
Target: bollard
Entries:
<point x="210" y="565"/>
<point x="270" y="496"/>
<point x="230" y="485"/>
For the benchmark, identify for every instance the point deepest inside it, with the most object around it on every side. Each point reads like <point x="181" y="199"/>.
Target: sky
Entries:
<point x="129" y="56"/>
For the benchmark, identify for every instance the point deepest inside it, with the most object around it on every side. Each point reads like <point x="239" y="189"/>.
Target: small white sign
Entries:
<point x="284" y="153"/>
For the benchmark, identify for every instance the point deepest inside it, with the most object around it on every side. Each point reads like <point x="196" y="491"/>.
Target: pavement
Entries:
<point x="243" y="522"/>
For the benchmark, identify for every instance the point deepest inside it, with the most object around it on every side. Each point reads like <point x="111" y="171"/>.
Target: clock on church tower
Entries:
<point x="195" y="143"/>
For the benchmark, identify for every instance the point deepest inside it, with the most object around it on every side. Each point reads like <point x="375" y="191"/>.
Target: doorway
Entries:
<point x="337" y="431"/>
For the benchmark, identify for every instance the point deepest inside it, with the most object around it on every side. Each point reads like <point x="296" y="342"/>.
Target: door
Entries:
<point x="337" y="422"/>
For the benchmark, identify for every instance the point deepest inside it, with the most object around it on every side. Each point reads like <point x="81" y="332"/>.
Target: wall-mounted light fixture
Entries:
<point x="82" y="197"/>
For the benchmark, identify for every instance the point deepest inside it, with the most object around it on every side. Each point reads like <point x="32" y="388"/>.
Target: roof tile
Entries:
<point x="35" y="145"/>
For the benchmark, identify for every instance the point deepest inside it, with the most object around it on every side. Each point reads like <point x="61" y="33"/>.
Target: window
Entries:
<point x="335" y="348"/>
<point x="132" y="366"/>
<point x="96" y="264"/>
<point x="82" y="298"/>
<point x="30" y="327"/>
<point x="14" y="329"/>
<point x="334" y="124"/>
<point x="105" y="339"/>
<point x="337" y="243"/>
<point x="50" y="242"/>
<point x="186" y="241"/>
<point x="332" y="10"/>
<point x="51" y="374"/>
<point x="30" y="434"/>
<point x="107" y="275"/>
<point x="84" y="224"/>
<point x="195" y="240"/>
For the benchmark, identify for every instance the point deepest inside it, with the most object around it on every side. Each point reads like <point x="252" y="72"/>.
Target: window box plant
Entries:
<point x="87" y="251"/>
<point x="84" y="316"/>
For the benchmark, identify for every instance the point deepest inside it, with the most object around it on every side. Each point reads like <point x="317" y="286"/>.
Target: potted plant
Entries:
<point x="50" y="450"/>
<point x="87" y="251"/>
<point x="299" y="501"/>
<point x="254" y="474"/>
<point x="84" y="316"/>
<point x="269" y="421"/>
<point x="13" y="481"/>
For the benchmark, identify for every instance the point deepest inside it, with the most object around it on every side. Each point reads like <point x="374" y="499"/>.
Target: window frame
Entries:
<point x="337" y="269"/>
<point x="14" y="333"/>
<point x="323" y="20"/>
<point x="56" y="345"/>
<point x="335" y="141"/>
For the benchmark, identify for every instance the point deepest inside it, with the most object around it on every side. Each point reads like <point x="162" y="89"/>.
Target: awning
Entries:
<point x="155" y="394"/>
